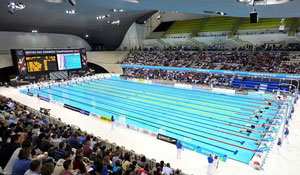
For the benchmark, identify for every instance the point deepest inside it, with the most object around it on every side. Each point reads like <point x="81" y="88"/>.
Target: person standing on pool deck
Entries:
<point x="179" y="149"/>
<point x="286" y="133"/>
<point x="112" y="122"/>
<point x="279" y="143"/>
<point x="210" y="164"/>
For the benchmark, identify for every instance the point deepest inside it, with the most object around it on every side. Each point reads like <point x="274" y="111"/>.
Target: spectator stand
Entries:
<point x="56" y="121"/>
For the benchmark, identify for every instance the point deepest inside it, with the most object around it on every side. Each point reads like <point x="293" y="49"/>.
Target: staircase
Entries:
<point x="239" y="41"/>
<point x="196" y="42"/>
<point x="196" y="31"/>
<point x="166" y="45"/>
<point x="236" y="28"/>
<point x="293" y="26"/>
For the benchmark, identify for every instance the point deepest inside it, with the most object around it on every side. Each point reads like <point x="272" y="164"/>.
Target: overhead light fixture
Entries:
<point x="132" y="1"/>
<point x="116" y="22"/>
<point x="263" y="2"/>
<point x="34" y="31"/>
<point x="72" y="2"/>
<point x="12" y="6"/>
<point x="56" y="1"/>
<point x="117" y="10"/>
<point x="102" y="17"/>
<point x="86" y="35"/>
<point x="215" y="13"/>
<point x="71" y="12"/>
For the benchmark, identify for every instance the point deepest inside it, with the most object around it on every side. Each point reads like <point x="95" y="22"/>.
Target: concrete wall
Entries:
<point x="108" y="60"/>
<point x="5" y="60"/>
<point x="25" y="40"/>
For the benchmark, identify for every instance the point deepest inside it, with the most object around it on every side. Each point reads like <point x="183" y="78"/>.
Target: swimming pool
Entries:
<point x="207" y="119"/>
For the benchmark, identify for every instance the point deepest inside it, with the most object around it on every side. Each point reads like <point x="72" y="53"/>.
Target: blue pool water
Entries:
<point x="207" y="119"/>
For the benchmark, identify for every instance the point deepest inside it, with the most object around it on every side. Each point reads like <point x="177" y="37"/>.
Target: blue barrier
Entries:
<point x="257" y="74"/>
<point x="203" y="150"/>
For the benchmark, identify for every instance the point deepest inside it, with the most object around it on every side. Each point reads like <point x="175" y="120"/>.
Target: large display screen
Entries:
<point x="69" y="61"/>
<point x="44" y="61"/>
<point x="41" y="63"/>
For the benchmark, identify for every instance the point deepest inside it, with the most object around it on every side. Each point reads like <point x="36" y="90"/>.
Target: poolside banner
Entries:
<point x="95" y="115"/>
<point x="254" y="74"/>
<point x="77" y="109"/>
<point x="167" y="139"/>
<point x="106" y="119"/>
<point x="44" y="98"/>
<point x="203" y="151"/>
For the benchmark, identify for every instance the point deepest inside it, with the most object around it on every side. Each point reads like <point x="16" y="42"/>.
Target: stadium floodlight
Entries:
<point x="12" y="6"/>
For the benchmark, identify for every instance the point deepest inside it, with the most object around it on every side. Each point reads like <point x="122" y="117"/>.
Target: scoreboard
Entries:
<point x="41" y="63"/>
<point x="38" y="62"/>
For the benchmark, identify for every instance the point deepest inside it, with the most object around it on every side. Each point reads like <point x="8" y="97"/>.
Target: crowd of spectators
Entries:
<point x="180" y="76"/>
<point x="223" y="47"/>
<point x="31" y="145"/>
<point x="271" y="62"/>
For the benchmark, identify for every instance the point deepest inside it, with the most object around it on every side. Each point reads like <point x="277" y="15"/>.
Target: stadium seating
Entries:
<point x="258" y="85"/>
<point x="186" y="26"/>
<point x="219" y="24"/>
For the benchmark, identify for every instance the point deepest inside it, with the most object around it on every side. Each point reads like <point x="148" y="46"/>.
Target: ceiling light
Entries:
<point x="263" y="2"/>
<point x="132" y="1"/>
<point x="71" y="12"/>
<point x="34" y="31"/>
<point x="86" y="35"/>
<point x="215" y="13"/>
<point x="56" y="1"/>
<point x="12" y="6"/>
<point x="116" y="22"/>
<point x="117" y="10"/>
<point x="102" y="17"/>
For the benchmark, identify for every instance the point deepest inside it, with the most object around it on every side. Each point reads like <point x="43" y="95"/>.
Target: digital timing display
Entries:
<point x="41" y="63"/>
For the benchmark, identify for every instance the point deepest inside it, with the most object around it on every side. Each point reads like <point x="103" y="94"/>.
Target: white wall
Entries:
<point x="20" y="40"/>
<point x="108" y="60"/>
<point x="138" y="32"/>
<point x="5" y="60"/>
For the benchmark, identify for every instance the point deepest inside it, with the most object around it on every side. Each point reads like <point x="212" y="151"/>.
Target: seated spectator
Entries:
<point x="55" y="140"/>
<point x="167" y="170"/>
<point x="8" y="149"/>
<point x="78" y="163"/>
<point x="47" y="168"/>
<point x="126" y="162"/>
<point x="142" y="171"/>
<point x="86" y="149"/>
<point x="45" y="145"/>
<point x="34" y="168"/>
<point x="60" y="151"/>
<point x="9" y="166"/>
<point x="116" y="158"/>
<point x="73" y="141"/>
<point x="106" y="165"/>
<point x="93" y="155"/>
<point x="68" y="168"/>
<point x="116" y="167"/>
<point x="59" y="165"/>
<point x="22" y="164"/>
